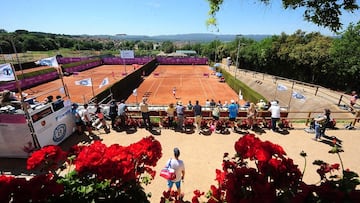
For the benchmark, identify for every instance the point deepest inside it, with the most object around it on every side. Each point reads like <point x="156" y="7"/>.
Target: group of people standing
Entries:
<point x="84" y="119"/>
<point x="118" y="114"/>
<point x="197" y="109"/>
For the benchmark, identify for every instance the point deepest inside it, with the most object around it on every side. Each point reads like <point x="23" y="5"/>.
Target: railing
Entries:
<point x="293" y="116"/>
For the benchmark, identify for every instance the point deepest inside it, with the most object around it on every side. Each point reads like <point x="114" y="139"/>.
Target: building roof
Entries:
<point x="186" y="51"/>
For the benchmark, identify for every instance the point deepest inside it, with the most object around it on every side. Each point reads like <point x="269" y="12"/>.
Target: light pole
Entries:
<point x="237" y="55"/>
<point x="216" y="46"/>
<point x="122" y="35"/>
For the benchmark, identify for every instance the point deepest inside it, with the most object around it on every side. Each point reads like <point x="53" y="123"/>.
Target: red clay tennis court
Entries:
<point x="191" y="82"/>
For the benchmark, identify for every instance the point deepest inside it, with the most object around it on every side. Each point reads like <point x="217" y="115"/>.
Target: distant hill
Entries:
<point x="195" y="37"/>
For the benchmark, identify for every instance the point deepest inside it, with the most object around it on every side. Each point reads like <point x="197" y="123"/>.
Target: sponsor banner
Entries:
<point x="298" y="95"/>
<point x="51" y="128"/>
<point x="84" y="82"/>
<point x="12" y="118"/>
<point x="127" y="54"/>
<point x="51" y="61"/>
<point x="15" y="139"/>
<point x="104" y="82"/>
<point x="6" y="72"/>
<point x="281" y="87"/>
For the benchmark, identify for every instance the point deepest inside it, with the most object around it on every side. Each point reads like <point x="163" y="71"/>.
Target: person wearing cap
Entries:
<point x="275" y="114"/>
<point x="261" y="104"/>
<point x="179" y="168"/>
<point x="170" y="114"/>
<point x="180" y="115"/>
<point x="145" y="113"/>
<point x="233" y="112"/>
<point x="78" y="122"/>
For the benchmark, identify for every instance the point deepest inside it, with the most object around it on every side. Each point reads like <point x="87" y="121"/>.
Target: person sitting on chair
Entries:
<point x="320" y="124"/>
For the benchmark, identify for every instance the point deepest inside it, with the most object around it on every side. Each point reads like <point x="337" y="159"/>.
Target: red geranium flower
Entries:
<point x="46" y="158"/>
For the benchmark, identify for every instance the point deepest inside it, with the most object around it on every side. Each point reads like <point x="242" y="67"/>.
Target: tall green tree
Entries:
<point x="345" y="53"/>
<point x="168" y="47"/>
<point x="325" y="13"/>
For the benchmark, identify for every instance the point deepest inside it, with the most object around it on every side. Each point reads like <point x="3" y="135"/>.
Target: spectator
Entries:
<point x="207" y="103"/>
<point x="251" y="115"/>
<point x="59" y="103"/>
<point x="122" y="109"/>
<point x="78" y="121"/>
<point x="113" y="112"/>
<point x="102" y="123"/>
<point x="8" y="98"/>
<point x="320" y="124"/>
<point x="85" y="117"/>
<point x="237" y="104"/>
<point x="198" y="115"/>
<point x="49" y="99"/>
<point x="353" y="99"/>
<point x="275" y="114"/>
<point x="179" y="168"/>
<point x="261" y="104"/>
<point x="189" y="106"/>
<point x="216" y="113"/>
<point x="247" y="104"/>
<point x="233" y="111"/>
<point x="225" y="104"/>
<point x="145" y="113"/>
<point x="180" y="115"/>
<point x="219" y="104"/>
<point x="170" y="114"/>
<point x="212" y="103"/>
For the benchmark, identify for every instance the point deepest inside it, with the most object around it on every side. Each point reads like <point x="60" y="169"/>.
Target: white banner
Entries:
<point x="104" y="82"/>
<point x="240" y="95"/>
<point x="84" y="82"/>
<point x="6" y="72"/>
<point x="281" y="87"/>
<point x="52" y="62"/>
<point x="51" y="128"/>
<point x="297" y="95"/>
<point x="127" y="54"/>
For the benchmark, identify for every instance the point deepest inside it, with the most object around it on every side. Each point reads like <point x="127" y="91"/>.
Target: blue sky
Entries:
<point x="154" y="17"/>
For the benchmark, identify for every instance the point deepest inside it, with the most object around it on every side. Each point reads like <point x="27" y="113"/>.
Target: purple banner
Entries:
<point x="82" y="67"/>
<point x="121" y="61"/>
<point x="66" y="60"/>
<point x="12" y="118"/>
<point x="29" y="82"/>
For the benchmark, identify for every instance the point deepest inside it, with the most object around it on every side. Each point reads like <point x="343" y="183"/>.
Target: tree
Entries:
<point x="325" y="13"/>
<point x="345" y="53"/>
<point x="168" y="47"/>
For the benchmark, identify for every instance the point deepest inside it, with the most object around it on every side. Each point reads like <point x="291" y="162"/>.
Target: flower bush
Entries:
<point x="260" y="171"/>
<point x="94" y="173"/>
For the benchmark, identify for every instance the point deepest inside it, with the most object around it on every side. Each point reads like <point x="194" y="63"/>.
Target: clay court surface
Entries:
<point x="78" y="93"/>
<point x="191" y="83"/>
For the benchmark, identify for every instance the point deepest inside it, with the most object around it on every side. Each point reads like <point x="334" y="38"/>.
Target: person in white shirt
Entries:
<point x="179" y="168"/>
<point x="85" y="116"/>
<point x="275" y="114"/>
